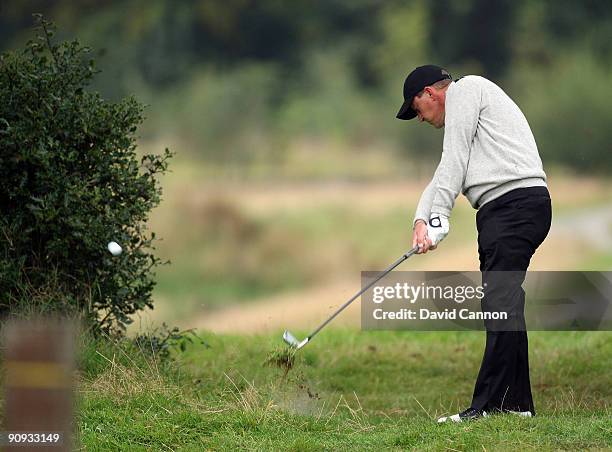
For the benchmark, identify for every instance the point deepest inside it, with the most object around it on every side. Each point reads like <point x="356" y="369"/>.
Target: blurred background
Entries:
<point x="292" y="174"/>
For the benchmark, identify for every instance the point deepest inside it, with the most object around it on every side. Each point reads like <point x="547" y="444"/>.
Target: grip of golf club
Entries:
<point x="411" y="252"/>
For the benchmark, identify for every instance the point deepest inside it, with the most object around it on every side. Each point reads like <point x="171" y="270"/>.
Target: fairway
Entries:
<point x="348" y="389"/>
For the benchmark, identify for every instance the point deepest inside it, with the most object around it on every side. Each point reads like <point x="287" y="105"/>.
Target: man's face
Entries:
<point x="429" y="107"/>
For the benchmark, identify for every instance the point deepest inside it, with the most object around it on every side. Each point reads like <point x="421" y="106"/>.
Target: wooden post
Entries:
<point x="39" y="364"/>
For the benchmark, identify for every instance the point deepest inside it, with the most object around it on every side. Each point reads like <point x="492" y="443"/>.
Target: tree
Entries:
<point x="473" y="31"/>
<point x="70" y="182"/>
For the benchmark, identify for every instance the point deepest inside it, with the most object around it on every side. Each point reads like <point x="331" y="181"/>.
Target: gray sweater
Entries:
<point x="488" y="149"/>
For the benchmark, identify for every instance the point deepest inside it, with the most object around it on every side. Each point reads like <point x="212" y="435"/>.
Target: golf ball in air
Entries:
<point x="114" y="248"/>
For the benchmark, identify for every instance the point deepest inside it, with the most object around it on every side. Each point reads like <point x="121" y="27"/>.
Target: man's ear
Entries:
<point x="429" y="91"/>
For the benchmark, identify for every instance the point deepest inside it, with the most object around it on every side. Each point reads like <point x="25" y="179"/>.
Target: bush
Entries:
<point x="70" y="182"/>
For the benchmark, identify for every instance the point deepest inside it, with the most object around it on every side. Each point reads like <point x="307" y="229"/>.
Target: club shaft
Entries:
<point x="354" y="297"/>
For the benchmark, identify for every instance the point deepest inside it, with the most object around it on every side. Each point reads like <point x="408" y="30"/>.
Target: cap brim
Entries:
<point x="406" y="112"/>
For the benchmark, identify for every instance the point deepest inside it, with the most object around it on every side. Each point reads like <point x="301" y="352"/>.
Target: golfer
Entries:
<point x="490" y="155"/>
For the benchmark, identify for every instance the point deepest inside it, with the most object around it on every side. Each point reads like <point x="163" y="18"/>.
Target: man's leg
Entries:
<point x="509" y="233"/>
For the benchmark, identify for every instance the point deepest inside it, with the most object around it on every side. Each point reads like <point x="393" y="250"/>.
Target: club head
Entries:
<point x="292" y="341"/>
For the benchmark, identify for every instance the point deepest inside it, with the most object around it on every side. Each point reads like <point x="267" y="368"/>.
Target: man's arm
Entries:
<point x="423" y="209"/>
<point x="461" y="120"/>
<point x="421" y="236"/>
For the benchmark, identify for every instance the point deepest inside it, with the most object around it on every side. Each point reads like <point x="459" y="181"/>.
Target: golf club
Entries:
<point x="292" y="340"/>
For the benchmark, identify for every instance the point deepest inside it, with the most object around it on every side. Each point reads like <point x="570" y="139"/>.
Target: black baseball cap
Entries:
<point x="415" y="82"/>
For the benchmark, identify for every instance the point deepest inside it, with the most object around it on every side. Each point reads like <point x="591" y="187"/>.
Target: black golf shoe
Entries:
<point x="466" y="415"/>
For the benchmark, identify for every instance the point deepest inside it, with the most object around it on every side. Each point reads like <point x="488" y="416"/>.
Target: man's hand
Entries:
<point x="437" y="229"/>
<point x="428" y="236"/>
<point x="419" y="236"/>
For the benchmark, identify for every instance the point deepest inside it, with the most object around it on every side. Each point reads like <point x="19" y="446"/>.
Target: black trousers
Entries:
<point x="510" y="229"/>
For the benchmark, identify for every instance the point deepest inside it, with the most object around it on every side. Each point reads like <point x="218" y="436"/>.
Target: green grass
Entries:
<point x="347" y="389"/>
<point x="599" y="260"/>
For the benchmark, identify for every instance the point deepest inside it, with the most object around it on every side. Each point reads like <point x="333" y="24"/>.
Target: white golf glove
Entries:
<point x="437" y="228"/>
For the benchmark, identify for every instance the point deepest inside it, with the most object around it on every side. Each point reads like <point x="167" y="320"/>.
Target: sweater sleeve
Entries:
<point x="424" y="207"/>
<point x="461" y="120"/>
